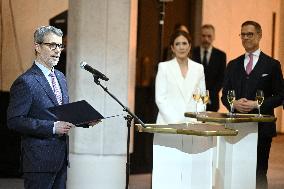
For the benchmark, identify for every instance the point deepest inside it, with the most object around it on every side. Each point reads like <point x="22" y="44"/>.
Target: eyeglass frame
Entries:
<point x="249" y="35"/>
<point x="55" y="45"/>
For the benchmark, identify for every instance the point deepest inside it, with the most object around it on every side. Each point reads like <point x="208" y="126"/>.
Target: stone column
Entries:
<point x="102" y="33"/>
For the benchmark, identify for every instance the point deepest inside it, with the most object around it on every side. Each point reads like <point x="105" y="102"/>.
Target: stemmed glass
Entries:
<point x="231" y="96"/>
<point x="205" y="98"/>
<point x="259" y="97"/>
<point x="196" y="97"/>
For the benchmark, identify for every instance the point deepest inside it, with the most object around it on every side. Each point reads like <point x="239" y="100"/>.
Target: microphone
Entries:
<point x="93" y="71"/>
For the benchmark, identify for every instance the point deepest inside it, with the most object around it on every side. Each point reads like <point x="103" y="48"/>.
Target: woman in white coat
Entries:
<point x="173" y="160"/>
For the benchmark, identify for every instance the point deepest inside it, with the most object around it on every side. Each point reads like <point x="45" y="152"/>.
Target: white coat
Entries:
<point x="179" y="161"/>
<point x="174" y="92"/>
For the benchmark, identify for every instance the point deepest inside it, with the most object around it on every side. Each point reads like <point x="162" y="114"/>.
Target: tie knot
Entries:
<point x="52" y="74"/>
<point x="205" y="52"/>
<point x="250" y="55"/>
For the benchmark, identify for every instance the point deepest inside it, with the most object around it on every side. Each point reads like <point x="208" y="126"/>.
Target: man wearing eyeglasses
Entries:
<point x="247" y="74"/>
<point x="44" y="141"/>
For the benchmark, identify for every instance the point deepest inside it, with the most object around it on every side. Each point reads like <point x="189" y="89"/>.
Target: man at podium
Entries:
<point x="44" y="141"/>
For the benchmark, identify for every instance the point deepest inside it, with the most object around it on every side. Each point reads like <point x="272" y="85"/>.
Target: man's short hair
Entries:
<point x="253" y="23"/>
<point x="42" y="31"/>
<point x="208" y="26"/>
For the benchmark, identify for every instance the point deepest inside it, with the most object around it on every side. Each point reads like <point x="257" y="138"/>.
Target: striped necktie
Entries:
<point x="56" y="88"/>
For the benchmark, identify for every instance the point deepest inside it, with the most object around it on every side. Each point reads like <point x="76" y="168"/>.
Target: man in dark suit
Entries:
<point x="44" y="141"/>
<point x="246" y="74"/>
<point x="214" y="62"/>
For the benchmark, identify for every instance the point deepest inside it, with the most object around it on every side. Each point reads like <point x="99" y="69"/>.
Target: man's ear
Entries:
<point x="37" y="47"/>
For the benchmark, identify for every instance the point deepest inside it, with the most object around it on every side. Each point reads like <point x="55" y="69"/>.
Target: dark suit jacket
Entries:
<point x="30" y="96"/>
<point x="214" y="74"/>
<point x="266" y="76"/>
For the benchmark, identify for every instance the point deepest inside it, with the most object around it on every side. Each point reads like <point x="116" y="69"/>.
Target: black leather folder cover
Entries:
<point x="80" y="113"/>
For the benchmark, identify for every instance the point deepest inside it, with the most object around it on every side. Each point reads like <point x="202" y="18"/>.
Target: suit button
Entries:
<point x="247" y="77"/>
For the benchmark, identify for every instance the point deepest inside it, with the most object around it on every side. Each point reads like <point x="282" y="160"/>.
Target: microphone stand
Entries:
<point x="129" y="119"/>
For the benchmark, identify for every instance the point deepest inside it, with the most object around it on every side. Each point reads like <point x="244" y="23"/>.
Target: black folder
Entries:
<point x="80" y="113"/>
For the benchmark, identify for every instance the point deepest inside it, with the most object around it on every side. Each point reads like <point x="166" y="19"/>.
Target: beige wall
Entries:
<point x="280" y="112"/>
<point x="231" y="14"/>
<point x="24" y="16"/>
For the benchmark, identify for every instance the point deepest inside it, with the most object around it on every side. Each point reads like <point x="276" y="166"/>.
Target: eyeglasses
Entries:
<point x="53" y="46"/>
<point x="248" y="35"/>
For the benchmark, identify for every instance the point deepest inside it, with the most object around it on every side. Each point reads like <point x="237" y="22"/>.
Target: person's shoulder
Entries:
<point x="27" y="74"/>
<point x="57" y="72"/>
<point x="236" y="61"/>
<point x="24" y="79"/>
<point x="168" y="62"/>
<point x="219" y="51"/>
<point x="196" y="64"/>
<point x="268" y="58"/>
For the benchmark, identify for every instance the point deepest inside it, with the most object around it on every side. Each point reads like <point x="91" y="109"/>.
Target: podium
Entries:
<point x="235" y="157"/>
<point x="182" y="154"/>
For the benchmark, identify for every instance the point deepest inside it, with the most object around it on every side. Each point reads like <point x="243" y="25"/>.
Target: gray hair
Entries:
<point x="42" y="31"/>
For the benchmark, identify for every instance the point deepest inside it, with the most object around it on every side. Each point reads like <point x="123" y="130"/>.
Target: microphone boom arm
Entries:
<point x="128" y="118"/>
<point x="126" y="109"/>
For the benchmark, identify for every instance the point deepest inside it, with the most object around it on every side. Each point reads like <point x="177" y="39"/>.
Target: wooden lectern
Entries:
<point x="235" y="156"/>
<point x="182" y="154"/>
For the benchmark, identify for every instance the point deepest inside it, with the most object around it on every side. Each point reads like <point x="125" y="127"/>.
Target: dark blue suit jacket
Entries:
<point x="214" y="74"/>
<point x="266" y="76"/>
<point x="30" y="96"/>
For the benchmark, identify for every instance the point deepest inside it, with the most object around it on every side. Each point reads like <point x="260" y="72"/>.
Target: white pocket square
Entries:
<point x="263" y="75"/>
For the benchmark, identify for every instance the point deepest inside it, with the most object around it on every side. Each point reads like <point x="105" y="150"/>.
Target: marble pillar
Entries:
<point x="102" y="33"/>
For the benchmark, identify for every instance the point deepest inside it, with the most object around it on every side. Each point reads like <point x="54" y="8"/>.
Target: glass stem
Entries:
<point x="258" y="110"/>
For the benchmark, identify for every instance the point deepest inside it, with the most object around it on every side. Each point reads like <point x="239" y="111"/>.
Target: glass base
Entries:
<point x="231" y="114"/>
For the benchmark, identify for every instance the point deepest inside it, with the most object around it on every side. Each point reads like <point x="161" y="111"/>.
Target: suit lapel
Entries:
<point x="257" y="71"/>
<point x="211" y="58"/>
<point x="192" y="78"/>
<point x="39" y="76"/>
<point x="258" y="66"/>
<point x="177" y="76"/>
<point x="241" y="73"/>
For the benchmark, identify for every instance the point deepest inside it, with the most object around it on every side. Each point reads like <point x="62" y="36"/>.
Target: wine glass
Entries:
<point x="231" y="96"/>
<point x="196" y="97"/>
<point x="259" y="97"/>
<point x="205" y="98"/>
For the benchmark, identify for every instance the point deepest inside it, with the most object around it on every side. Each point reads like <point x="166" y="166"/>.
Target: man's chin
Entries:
<point x="205" y="46"/>
<point x="52" y="64"/>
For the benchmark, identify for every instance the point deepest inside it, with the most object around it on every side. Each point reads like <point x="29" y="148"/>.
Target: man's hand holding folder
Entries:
<point x="79" y="114"/>
<point x="62" y="127"/>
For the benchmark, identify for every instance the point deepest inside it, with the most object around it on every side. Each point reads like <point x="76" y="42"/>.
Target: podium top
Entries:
<point x="225" y="118"/>
<point x="198" y="129"/>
